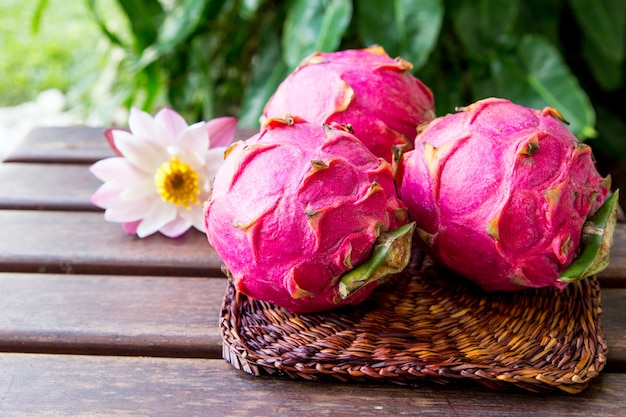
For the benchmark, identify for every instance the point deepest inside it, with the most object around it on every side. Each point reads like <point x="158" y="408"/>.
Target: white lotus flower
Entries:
<point x="163" y="172"/>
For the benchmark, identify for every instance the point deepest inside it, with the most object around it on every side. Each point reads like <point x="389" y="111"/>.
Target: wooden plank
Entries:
<point x="62" y="144"/>
<point x="59" y="385"/>
<point x="84" y="243"/>
<point x="111" y="315"/>
<point x="614" y="325"/>
<point x="157" y="316"/>
<point x="75" y="144"/>
<point x="37" y="186"/>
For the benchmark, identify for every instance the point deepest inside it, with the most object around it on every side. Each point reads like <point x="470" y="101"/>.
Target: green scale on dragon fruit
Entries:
<point x="508" y="197"/>
<point x="363" y="88"/>
<point x="304" y="216"/>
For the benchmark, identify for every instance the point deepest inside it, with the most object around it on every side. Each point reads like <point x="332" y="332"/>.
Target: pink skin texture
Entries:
<point x="296" y="206"/>
<point x="365" y="88"/>
<point x="500" y="193"/>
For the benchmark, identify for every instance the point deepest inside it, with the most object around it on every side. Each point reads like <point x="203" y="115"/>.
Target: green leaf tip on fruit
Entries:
<point x="596" y="242"/>
<point x="390" y="255"/>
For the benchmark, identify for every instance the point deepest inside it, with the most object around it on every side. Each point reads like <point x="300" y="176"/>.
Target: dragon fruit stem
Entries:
<point x="390" y="255"/>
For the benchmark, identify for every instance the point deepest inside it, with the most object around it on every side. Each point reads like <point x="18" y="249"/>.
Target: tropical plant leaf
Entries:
<point x="603" y="22"/>
<point x="496" y="20"/>
<point x="336" y="19"/>
<point x="249" y="8"/>
<point x="607" y="72"/>
<point x="484" y="26"/>
<point x="36" y="20"/>
<point x="611" y="139"/>
<point x="541" y="16"/>
<point x="538" y="77"/>
<point x="145" y="17"/>
<point x="313" y="25"/>
<point x="403" y="27"/>
<point x="112" y="37"/>
<point x="268" y="71"/>
<point x="178" y="25"/>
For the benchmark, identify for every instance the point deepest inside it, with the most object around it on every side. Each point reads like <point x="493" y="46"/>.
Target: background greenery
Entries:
<point x="207" y="58"/>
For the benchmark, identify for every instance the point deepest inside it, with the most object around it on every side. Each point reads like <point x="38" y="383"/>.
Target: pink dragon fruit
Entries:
<point x="501" y="194"/>
<point x="364" y="88"/>
<point x="306" y="217"/>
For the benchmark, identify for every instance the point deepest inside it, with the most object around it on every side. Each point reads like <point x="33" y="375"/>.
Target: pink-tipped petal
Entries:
<point x="221" y="131"/>
<point x="214" y="158"/>
<point x="140" y="189"/>
<point x="194" y="139"/>
<point x="116" y="170"/>
<point x="130" y="228"/>
<point x="158" y="215"/>
<point x="171" y="124"/>
<point x="110" y="137"/>
<point x="194" y="215"/>
<point x="106" y="195"/>
<point x="142" y="154"/>
<point x="122" y="211"/>
<point x="175" y="228"/>
<point x="144" y="127"/>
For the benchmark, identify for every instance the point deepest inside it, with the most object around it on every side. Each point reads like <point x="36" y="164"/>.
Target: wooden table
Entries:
<point x="95" y="322"/>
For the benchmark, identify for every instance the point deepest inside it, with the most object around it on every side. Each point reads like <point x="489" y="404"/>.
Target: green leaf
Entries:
<point x="596" y="242"/>
<point x="608" y="73"/>
<point x="113" y="38"/>
<point x="390" y="255"/>
<point x="312" y="26"/>
<point x="541" y="16"/>
<point x="178" y="25"/>
<point x="538" y="77"/>
<point x="146" y="17"/>
<point x="603" y="22"/>
<point x="249" y="8"/>
<point x="485" y="26"/>
<point x="36" y="21"/>
<point x="268" y="72"/>
<point x="376" y="24"/>
<point x="403" y="27"/>
<point x="496" y="19"/>
<point x="336" y="19"/>
<point x="611" y="140"/>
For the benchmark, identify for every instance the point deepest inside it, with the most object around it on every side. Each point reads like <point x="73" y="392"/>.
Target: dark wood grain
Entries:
<point x="614" y="325"/>
<point x="116" y="325"/>
<point x="62" y="144"/>
<point x="113" y="315"/>
<point x="82" y="242"/>
<point x="62" y="385"/>
<point x="38" y="186"/>
<point x="156" y="316"/>
<point x="75" y="144"/>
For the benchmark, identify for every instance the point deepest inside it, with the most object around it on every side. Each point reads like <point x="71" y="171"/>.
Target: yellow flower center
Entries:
<point x="177" y="183"/>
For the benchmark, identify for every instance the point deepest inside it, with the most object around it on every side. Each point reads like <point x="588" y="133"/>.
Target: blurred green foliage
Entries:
<point x="207" y="58"/>
<point x="36" y="60"/>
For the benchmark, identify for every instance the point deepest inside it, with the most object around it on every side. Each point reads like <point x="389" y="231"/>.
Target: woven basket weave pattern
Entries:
<point x="427" y="324"/>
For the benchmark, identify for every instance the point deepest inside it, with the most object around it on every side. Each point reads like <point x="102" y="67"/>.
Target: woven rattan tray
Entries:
<point x="422" y="327"/>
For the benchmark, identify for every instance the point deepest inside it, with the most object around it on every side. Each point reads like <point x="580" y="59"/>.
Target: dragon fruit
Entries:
<point x="502" y="193"/>
<point x="364" y="88"/>
<point x="304" y="216"/>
